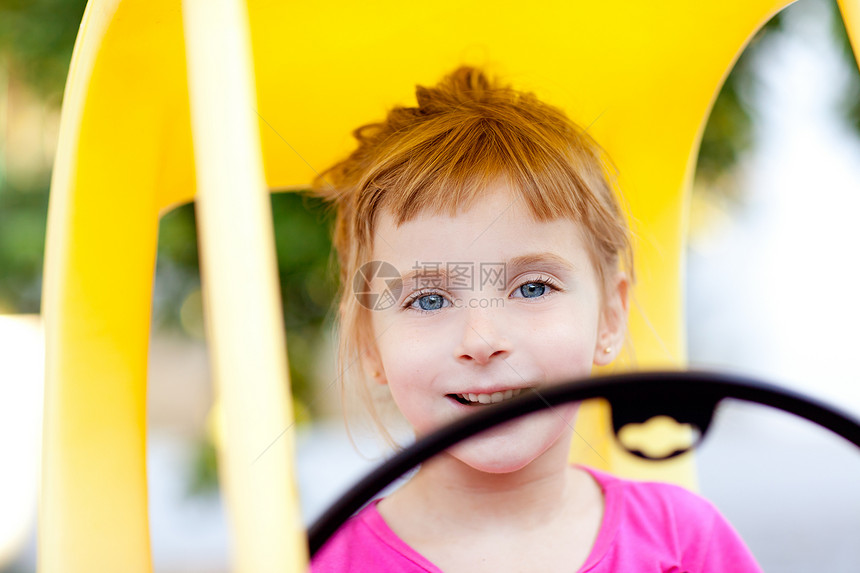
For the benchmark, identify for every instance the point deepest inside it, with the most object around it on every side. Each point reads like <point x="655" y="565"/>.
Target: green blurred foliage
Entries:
<point x="203" y="477"/>
<point x="308" y="285"/>
<point x="38" y="37"/>
<point x="23" y="219"/>
<point x="36" y="41"/>
<point x="728" y="132"/>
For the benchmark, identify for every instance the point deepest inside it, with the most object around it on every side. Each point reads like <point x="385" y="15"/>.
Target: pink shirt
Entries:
<point x="647" y="527"/>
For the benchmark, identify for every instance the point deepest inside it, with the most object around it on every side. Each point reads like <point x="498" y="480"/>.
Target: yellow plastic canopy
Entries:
<point x="220" y="101"/>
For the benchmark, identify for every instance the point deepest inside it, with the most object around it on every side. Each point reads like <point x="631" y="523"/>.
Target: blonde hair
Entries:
<point x="466" y="134"/>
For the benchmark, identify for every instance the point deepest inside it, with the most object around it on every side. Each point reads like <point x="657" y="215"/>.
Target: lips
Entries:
<point x="481" y="399"/>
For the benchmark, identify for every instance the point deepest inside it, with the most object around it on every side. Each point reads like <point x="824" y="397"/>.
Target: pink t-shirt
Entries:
<point x="647" y="527"/>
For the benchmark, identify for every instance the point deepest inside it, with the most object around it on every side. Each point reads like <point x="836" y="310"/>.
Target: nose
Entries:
<point x="483" y="338"/>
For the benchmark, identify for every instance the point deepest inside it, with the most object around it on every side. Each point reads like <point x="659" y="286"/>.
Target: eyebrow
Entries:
<point x="549" y="261"/>
<point x="428" y="270"/>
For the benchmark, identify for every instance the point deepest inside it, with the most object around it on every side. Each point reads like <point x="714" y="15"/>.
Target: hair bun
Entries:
<point x="464" y="85"/>
<point x="468" y="79"/>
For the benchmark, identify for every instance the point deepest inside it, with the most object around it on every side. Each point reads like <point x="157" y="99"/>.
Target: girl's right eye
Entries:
<point x="429" y="302"/>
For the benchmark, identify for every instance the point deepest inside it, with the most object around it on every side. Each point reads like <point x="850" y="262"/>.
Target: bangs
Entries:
<point x="456" y="163"/>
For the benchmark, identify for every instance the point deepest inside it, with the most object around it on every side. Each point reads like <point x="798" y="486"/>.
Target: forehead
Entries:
<point x="495" y="228"/>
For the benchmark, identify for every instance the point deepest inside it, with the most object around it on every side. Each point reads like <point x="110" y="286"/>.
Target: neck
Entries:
<point x="453" y="492"/>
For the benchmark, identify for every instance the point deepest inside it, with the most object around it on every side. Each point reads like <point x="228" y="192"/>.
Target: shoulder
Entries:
<point x="668" y="513"/>
<point x="667" y="522"/>
<point x="365" y="543"/>
<point x="668" y="503"/>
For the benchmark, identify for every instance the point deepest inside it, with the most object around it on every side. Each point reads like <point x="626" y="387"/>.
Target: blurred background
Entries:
<point x="770" y="282"/>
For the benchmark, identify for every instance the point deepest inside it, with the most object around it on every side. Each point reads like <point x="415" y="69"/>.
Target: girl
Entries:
<point x="488" y="256"/>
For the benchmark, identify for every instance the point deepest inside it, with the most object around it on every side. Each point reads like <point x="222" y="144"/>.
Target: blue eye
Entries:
<point x="532" y="290"/>
<point x="429" y="302"/>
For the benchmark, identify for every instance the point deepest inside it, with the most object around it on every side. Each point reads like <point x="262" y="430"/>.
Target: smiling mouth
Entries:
<point x="485" y="399"/>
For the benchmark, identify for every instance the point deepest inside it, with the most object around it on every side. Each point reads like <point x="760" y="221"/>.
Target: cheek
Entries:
<point x="402" y="354"/>
<point x="564" y="349"/>
<point x="408" y="364"/>
<point x="414" y="347"/>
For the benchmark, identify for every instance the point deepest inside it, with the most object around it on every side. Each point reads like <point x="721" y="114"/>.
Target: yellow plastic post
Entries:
<point x="240" y="286"/>
<point x="641" y="75"/>
<point x="100" y="257"/>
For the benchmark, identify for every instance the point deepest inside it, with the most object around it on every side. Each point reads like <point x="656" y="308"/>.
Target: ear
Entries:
<point x="371" y="362"/>
<point x="613" y="321"/>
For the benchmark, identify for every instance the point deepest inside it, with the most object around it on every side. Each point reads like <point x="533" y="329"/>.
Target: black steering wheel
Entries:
<point x="688" y="397"/>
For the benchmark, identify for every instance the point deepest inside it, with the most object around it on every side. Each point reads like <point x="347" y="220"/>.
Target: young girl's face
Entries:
<point x="493" y="304"/>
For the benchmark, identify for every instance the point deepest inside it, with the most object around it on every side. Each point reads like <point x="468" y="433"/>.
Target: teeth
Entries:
<point x="493" y="398"/>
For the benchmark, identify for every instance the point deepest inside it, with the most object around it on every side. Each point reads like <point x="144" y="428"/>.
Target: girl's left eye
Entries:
<point x="534" y="289"/>
<point x="429" y="302"/>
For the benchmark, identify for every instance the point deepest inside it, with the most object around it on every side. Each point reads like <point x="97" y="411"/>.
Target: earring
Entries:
<point x="607" y="350"/>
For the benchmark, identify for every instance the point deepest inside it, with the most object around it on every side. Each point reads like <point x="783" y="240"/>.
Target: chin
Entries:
<point x="512" y="446"/>
<point x="497" y="455"/>
<point x="501" y="466"/>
